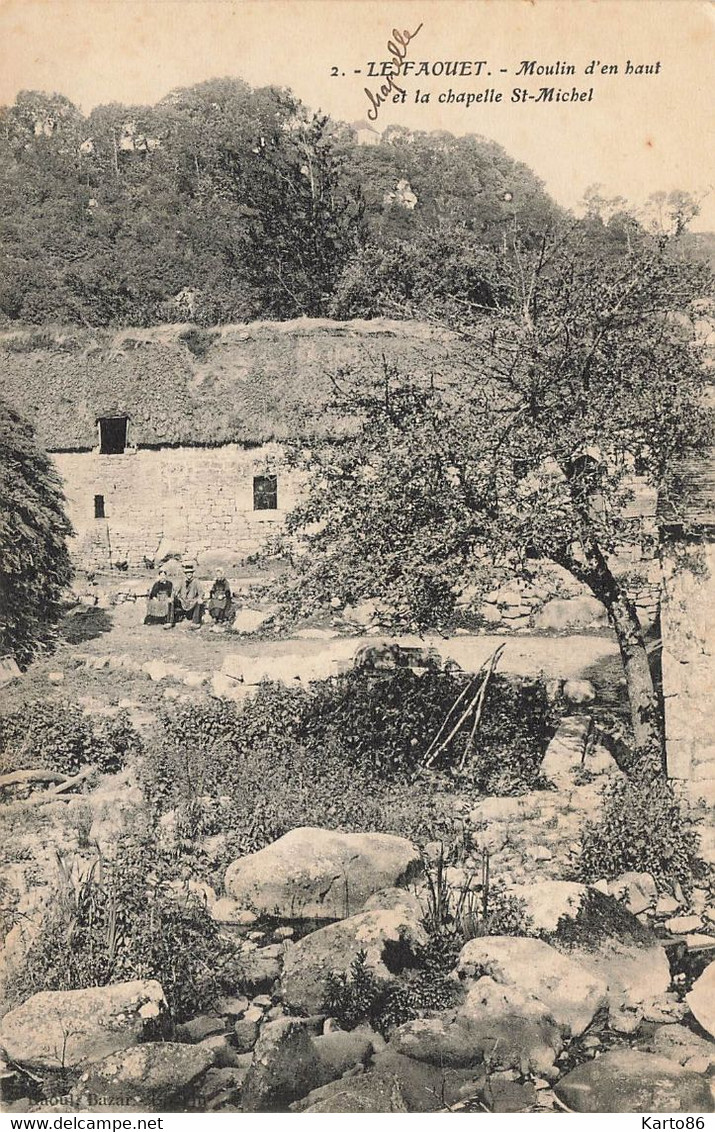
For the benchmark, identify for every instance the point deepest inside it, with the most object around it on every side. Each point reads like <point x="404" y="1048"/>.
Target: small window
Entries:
<point x="99" y="507"/>
<point x="112" y="435"/>
<point x="265" y="493"/>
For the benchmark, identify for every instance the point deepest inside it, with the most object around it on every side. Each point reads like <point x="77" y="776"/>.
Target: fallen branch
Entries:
<point x="70" y="783"/>
<point x="462" y="719"/>
<point x="60" y="793"/>
<point x="22" y="777"/>
<point x="490" y="665"/>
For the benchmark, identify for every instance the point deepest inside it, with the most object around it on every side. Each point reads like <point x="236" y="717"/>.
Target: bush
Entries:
<point x="348" y="753"/>
<point x="125" y="920"/>
<point x="643" y="828"/>
<point x="57" y="736"/>
<point x="357" y="996"/>
<point x="387" y="723"/>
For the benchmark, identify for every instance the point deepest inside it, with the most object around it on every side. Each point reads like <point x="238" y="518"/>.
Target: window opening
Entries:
<point x="265" y="493"/>
<point x="112" y="435"/>
<point x="99" y="507"/>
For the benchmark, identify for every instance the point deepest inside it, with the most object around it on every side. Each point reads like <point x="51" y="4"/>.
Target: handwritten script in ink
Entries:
<point x="397" y="47"/>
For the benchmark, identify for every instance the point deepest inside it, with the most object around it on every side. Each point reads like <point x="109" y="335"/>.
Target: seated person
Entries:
<point x="158" y="609"/>
<point x="187" y="603"/>
<point x="220" y="604"/>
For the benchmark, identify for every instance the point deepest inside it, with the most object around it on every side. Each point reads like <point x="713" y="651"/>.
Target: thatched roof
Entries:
<point x="180" y="385"/>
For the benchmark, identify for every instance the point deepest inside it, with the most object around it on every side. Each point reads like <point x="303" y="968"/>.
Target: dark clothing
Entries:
<point x="158" y="610"/>
<point x="220" y="605"/>
<point x="162" y="587"/>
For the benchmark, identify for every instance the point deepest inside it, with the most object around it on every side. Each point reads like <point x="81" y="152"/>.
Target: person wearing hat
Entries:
<point x="187" y="603"/>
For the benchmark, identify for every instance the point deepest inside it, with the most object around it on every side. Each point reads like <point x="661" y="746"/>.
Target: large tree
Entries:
<point x="34" y="561"/>
<point x="583" y="368"/>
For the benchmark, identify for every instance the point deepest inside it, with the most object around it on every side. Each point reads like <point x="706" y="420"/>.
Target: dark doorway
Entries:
<point x="112" y="435"/>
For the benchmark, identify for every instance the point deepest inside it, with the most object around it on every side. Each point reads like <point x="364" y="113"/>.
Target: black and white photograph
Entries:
<point x="357" y="557"/>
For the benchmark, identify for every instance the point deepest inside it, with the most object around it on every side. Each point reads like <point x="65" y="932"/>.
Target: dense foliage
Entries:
<point x="51" y="735"/>
<point x="222" y="203"/>
<point x="348" y="753"/>
<point x="378" y="725"/>
<point x="123" y="920"/>
<point x="34" y="561"/>
<point x="644" y="827"/>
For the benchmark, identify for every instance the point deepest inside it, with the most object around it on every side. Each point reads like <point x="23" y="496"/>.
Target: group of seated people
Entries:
<point x="169" y="603"/>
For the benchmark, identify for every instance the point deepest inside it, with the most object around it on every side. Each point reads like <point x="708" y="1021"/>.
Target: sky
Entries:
<point x="633" y="133"/>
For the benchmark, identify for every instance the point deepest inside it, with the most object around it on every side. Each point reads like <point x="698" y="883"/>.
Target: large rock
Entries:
<point x="571" y="994"/>
<point x="626" y="1080"/>
<point x="286" y="1066"/>
<point x="387" y="937"/>
<point x="579" y="692"/>
<point x="502" y="1024"/>
<point x="392" y="1084"/>
<point x="638" y="891"/>
<point x="67" y="1028"/>
<point x="680" y="1044"/>
<point x="570" y="613"/>
<point x="602" y="936"/>
<point x="321" y="874"/>
<point x="550" y="902"/>
<point x="155" y="1072"/>
<point x="339" y="1051"/>
<point x="701" y="999"/>
<point x="636" y="977"/>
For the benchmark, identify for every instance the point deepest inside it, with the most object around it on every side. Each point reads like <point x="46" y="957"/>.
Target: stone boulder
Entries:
<point x="389" y="938"/>
<point x="701" y="999"/>
<point x="626" y="1080"/>
<point x="680" y="1044"/>
<point x="340" y="1051"/>
<point x="393" y="1083"/>
<point x="580" y="915"/>
<point x="602" y="936"/>
<point x="286" y="1066"/>
<point x="314" y="873"/>
<point x="391" y="899"/>
<point x="550" y="902"/>
<point x="638" y="891"/>
<point x="56" y="1028"/>
<point x="503" y="1024"/>
<point x="155" y="1072"/>
<point x="637" y="978"/>
<point x="579" y="692"/>
<point x="561" y="614"/>
<point x="571" y="994"/>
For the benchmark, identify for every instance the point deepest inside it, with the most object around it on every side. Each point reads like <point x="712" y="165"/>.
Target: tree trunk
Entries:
<point x="646" y="715"/>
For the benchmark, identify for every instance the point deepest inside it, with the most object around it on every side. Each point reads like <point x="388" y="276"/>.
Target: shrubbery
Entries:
<point x="125" y="920"/>
<point x="58" y="736"/>
<point x="347" y="753"/>
<point x="356" y="996"/>
<point x="643" y="828"/>
<point x="378" y="724"/>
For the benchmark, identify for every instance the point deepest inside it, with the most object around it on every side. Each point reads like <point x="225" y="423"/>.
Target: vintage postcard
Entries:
<point x="356" y="558"/>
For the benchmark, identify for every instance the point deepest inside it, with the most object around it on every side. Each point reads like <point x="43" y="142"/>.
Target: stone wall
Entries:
<point x="191" y="500"/>
<point x="688" y="631"/>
